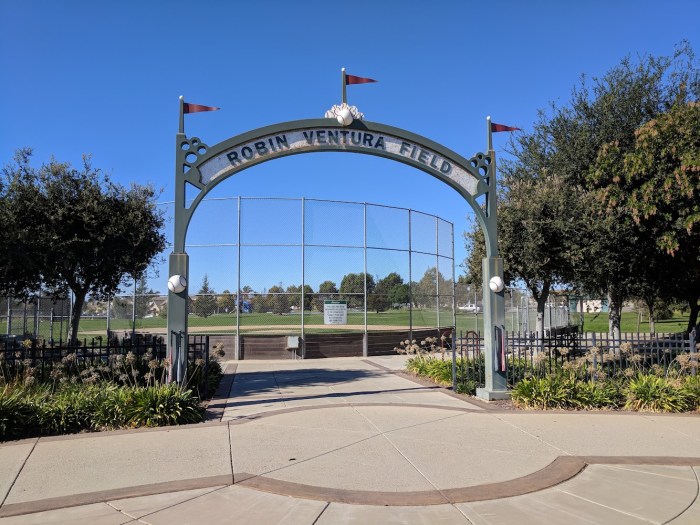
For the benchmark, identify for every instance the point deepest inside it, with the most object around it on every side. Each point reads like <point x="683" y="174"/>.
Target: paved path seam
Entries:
<point x="239" y="420"/>
<point x="696" y="500"/>
<point x="19" y="471"/>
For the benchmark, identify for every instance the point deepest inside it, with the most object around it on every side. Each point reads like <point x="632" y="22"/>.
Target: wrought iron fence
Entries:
<point x="593" y="354"/>
<point x="41" y="356"/>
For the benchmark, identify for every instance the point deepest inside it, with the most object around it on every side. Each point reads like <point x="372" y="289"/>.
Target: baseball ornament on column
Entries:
<point x="496" y="284"/>
<point x="177" y="284"/>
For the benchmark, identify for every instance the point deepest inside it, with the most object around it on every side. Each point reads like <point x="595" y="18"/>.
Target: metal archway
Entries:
<point x="203" y="167"/>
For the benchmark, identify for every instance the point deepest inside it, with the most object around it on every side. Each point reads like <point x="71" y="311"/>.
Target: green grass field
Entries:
<point x="392" y="319"/>
<point x="599" y="323"/>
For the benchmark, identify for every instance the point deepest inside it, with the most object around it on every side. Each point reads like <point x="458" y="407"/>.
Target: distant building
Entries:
<point x="590" y="306"/>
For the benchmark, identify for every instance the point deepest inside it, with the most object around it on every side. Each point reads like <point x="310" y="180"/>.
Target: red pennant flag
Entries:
<point x="196" y="108"/>
<point x="352" y="79"/>
<point x="495" y="128"/>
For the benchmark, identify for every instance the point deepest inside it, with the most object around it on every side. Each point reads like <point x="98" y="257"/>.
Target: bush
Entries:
<point x="656" y="394"/>
<point x="15" y="413"/>
<point x="37" y="411"/>
<point x="541" y="393"/>
<point x="164" y="405"/>
<point x="66" y="411"/>
<point x="595" y="394"/>
<point x="466" y="386"/>
<point x="440" y="371"/>
<point x="691" y="387"/>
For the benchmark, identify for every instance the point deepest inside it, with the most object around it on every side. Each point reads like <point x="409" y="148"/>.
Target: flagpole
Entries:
<point x="182" y="115"/>
<point x="489" y="134"/>
<point x="342" y="78"/>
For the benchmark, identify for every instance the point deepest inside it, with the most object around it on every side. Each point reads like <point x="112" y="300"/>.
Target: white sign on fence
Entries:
<point x="335" y="312"/>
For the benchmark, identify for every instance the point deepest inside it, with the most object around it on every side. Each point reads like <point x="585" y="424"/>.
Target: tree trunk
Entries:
<point x="652" y="316"/>
<point x="78" y="303"/>
<point x="614" y="316"/>
<point x="694" y="311"/>
<point x="541" y="297"/>
<point x="539" y="326"/>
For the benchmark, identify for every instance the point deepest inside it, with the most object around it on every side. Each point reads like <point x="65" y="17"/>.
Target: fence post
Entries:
<point x="9" y="316"/>
<point x="692" y="338"/>
<point x="365" y="336"/>
<point x="37" y="319"/>
<point x="595" y="358"/>
<point x="109" y="316"/>
<point x="133" y="313"/>
<point x="51" y="319"/>
<point x="206" y="368"/>
<point x="239" y="300"/>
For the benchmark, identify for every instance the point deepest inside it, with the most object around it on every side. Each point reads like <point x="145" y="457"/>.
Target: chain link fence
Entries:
<point x="521" y="310"/>
<point x="270" y="265"/>
<point x="391" y="268"/>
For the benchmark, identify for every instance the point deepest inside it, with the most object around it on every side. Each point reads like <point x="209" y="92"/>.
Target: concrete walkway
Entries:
<point x="353" y="440"/>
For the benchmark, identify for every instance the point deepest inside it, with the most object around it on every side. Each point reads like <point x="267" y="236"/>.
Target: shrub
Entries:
<point x="595" y="394"/>
<point x="466" y="386"/>
<point x="656" y="394"/>
<point x="164" y="405"/>
<point x="66" y="411"/>
<point x="691" y="387"/>
<point x="114" y="407"/>
<point x="541" y="392"/>
<point x="15" y="412"/>
<point x="37" y="411"/>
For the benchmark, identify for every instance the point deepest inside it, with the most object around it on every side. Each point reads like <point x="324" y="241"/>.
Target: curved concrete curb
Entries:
<point x="561" y="469"/>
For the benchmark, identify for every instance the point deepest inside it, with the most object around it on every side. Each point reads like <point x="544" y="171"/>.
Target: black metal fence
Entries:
<point x="593" y="354"/>
<point x="43" y="355"/>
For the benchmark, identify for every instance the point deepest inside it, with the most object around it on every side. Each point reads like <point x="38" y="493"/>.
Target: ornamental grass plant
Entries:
<point x="602" y="379"/>
<point x="78" y="394"/>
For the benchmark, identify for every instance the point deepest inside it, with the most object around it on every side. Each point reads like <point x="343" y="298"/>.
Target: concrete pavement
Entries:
<point x="353" y="440"/>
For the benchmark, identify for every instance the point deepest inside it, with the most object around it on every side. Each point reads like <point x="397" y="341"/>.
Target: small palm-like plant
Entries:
<point x="652" y="393"/>
<point x="162" y="405"/>
<point x="542" y="393"/>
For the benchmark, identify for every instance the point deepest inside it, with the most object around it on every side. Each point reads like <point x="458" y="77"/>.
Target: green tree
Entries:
<point x="278" y="300"/>
<point x="540" y="222"/>
<point x="389" y="291"/>
<point x="204" y="304"/>
<point x="70" y="229"/>
<point x="144" y="296"/>
<point x="399" y="294"/>
<point x="380" y="298"/>
<point x="610" y="112"/>
<point x="605" y="252"/>
<point x="352" y="288"/>
<point x="295" y="296"/>
<point x="226" y="302"/>
<point x="657" y="184"/>
<point x="425" y="291"/>
<point x="326" y="291"/>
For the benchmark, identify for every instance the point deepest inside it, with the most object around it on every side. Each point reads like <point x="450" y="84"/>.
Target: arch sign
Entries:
<point x="203" y="167"/>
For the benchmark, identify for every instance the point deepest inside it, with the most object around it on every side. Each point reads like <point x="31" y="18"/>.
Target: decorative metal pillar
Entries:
<point x="493" y="295"/>
<point x="365" y="337"/>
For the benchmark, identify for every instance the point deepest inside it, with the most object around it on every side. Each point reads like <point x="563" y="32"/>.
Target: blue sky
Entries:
<point x="104" y="78"/>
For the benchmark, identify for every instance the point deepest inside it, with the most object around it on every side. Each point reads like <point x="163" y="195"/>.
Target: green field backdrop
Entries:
<point x="392" y="319"/>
